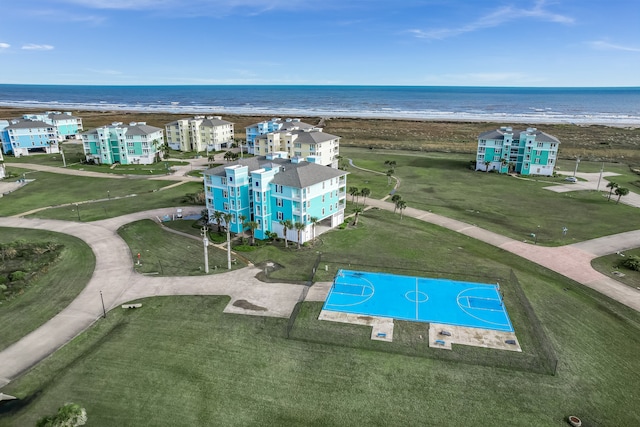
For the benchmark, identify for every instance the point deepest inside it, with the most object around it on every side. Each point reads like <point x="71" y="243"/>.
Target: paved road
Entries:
<point x="573" y="261"/>
<point x="115" y="278"/>
<point x="592" y="182"/>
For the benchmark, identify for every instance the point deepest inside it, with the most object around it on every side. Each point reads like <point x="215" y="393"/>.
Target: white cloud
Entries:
<point x="32" y="46"/>
<point x="604" y="45"/>
<point x="5" y="45"/>
<point x="495" y="19"/>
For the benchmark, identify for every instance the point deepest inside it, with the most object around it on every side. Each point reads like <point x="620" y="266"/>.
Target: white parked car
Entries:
<point x="571" y="179"/>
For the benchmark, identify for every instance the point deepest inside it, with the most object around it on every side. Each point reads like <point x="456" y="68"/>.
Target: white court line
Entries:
<point x="417" y="299"/>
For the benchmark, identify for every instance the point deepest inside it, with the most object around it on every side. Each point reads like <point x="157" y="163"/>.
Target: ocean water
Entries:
<point x="609" y="106"/>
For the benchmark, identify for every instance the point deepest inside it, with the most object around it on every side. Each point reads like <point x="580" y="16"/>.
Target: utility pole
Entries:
<point x="576" y="170"/>
<point x="600" y="177"/>
<point x="205" y="242"/>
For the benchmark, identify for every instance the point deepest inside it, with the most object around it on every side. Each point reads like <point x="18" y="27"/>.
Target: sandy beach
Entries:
<point x="588" y="141"/>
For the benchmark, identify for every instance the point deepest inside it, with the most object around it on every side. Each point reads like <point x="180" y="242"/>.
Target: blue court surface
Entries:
<point x="419" y="299"/>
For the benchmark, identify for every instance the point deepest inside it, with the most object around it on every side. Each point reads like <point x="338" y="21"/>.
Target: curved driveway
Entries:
<point x="115" y="278"/>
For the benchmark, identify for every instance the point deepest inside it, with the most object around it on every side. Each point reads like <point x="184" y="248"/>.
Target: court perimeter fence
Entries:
<point x="412" y="338"/>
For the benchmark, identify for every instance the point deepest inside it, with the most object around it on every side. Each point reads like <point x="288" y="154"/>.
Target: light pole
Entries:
<point x="78" y="211"/>
<point x="104" y="311"/>
<point x="576" y="169"/>
<point x="600" y="177"/>
<point x="205" y="242"/>
<point x="535" y="238"/>
<point x="108" y="195"/>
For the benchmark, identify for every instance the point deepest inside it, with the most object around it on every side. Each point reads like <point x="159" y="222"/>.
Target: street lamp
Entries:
<point x="205" y="242"/>
<point x="78" y="211"/>
<point x="576" y="169"/>
<point x="535" y="238"/>
<point x="108" y="195"/>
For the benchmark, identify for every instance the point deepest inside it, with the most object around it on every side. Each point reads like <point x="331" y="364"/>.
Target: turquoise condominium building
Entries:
<point x="527" y="152"/>
<point x="135" y="143"/>
<point x="269" y="126"/>
<point x="274" y="188"/>
<point x="67" y="125"/>
<point x="23" y="137"/>
<point x="38" y="133"/>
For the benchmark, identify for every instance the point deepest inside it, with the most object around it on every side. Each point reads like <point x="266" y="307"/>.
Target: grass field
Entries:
<point x="167" y="254"/>
<point x="49" y="293"/>
<point x="443" y="184"/>
<point x="610" y="263"/>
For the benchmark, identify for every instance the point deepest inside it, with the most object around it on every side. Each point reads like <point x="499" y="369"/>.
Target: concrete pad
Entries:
<point x="319" y="291"/>
<point x="471" y="336"/>
<point x="381" y="327"/>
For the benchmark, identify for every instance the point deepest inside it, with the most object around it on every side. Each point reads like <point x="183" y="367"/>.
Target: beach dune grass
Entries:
<point x="444" y="184"/>
<point x="50" y="292"/>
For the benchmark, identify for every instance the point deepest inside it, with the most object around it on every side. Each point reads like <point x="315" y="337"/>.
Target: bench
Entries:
<point x="381" y="335"/>
<point x="138" y="305"/>
<point x="440" y="342"/>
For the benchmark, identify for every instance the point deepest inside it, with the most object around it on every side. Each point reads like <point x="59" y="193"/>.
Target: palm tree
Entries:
<point x="357" y="211"/>
<point x="621" y="191"/>
<point x="227" y="220"/>
<point x="299" y="226"/>
<point x="486" y="165"/>
<point x="512" y="167"/>
<point x="286" y="225"/>
<point x="364" y="193"/>
<point x="389" y="173"/>
<point x="611" y="186"/>
<point x="401" y="205"/>
<point x="228" y="156"/>
<point x="395" y="199"/>
<point x="252" y="225"/>
<point x="217" y="216"/>
<point x="354" y="192"/>
<point x="314" y="220"/>
<point x="242" y="219"/>
<point x="204" y="213"/>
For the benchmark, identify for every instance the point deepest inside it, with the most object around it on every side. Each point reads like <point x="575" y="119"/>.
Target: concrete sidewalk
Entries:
<point x="115" y="278"/>
<point x="572" y="261"/>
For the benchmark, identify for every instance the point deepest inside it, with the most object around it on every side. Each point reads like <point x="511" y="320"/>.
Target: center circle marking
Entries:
<point x="416" y="296"/>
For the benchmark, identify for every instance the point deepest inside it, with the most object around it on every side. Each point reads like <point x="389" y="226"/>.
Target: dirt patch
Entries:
<point x="244" y="304"/>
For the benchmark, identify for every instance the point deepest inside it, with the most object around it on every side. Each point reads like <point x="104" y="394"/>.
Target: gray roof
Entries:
<point x="28" y="124"/>
<point x="63" y="116"/>
<point x="205" y="122"/>
<point x="131" y="130"/>
<point x="499" y="134"/>
<point x="286" y="125"/>
<point x="297" y="175"/>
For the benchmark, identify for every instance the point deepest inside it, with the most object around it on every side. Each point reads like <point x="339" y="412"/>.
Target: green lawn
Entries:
<point x="443" y="184"/>
<point x="610" y="263"/>
<point x="94" y="211"/>
<point x="167" y="254"/>
<point x="49" y="293"/>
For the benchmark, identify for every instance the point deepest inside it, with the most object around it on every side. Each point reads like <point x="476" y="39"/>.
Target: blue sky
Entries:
<point x="368" y="42"/>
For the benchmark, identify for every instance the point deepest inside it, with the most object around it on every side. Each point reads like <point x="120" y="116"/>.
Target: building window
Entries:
<point x="225" y="207"/>
<point x="280" y="216"/>
<point x="278" y="188"/>
<point x="257" y="183"/>
<point x="223" y="181"/>
<point x="258" y="210"/>
<point x="258" y="196"/>
<point x="279" y="203"/>
<point x="323" y="198"/>
<point x="322" y="211"/>
<point x="259" y="227"/>
<point x="225" y="194"/>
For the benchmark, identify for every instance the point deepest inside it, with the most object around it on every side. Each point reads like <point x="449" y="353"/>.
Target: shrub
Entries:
<point x="632" y="263"/>
<point x="17" y="276"/>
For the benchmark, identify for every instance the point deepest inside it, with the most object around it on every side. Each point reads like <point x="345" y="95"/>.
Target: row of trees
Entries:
<point x="287" y="225"/>
<point x="619" y="191"/>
